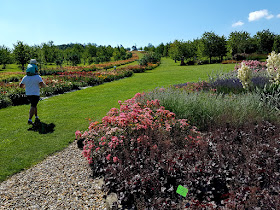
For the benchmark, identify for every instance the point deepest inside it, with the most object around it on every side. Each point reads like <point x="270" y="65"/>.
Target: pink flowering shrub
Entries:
<point x="133" y="124"/>
<point x="132" y="147"/>
<point x="254" y="65"/>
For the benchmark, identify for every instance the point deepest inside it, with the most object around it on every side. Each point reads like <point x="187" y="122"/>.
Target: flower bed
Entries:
<point x="254" y="65"/>
<point x="231" y="83"/>
<point x="252" y="74"/>
<point x="141" y="68"/>
<point x="95" y="78"/>
<point x="11" y="94"/>
<point x="63" y="81"/>
<point x="144" y="153"/>
<point x="11" y="76"/>
<point x="93" y="67"/>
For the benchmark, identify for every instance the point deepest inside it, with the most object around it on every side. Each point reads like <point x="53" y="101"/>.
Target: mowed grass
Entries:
<point x="10" y="68"/>
<point x="20" y="148"/>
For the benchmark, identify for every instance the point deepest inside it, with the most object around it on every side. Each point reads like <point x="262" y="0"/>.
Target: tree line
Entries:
<point x="210" y="46"/>
<point x="238" y="46"/>
<point x="70" y="54"/>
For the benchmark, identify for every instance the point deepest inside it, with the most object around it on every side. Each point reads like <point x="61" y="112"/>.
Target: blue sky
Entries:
<point x="123" y="22"/>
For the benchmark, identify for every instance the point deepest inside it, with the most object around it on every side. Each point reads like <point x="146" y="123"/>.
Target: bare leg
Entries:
<point x="36" y="112"/>
<point x="32" y="111"/>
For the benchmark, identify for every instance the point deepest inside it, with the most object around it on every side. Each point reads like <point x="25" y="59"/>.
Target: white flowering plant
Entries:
<point x="273" y="67"/>
<point x="245" y="75"/>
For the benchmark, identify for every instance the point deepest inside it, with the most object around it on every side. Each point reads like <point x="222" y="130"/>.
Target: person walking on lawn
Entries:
<point x="32" y="83"/>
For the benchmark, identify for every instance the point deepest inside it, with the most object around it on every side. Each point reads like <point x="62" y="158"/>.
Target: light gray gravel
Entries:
<point x="61" y="181"/>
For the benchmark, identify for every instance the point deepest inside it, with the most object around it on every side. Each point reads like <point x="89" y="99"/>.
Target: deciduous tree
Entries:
<point x="221" y="47"/>
<point x="50" y="52"/>
<point x="160" y="49"/>
<point x="276" y="44"/>
<point x="150" y="48"/>
<point x="21" y="53"/>
<point x="166" y="49"/>
<point x="239" y="42"/>
<point x="5" y="56"/>
<point x="176" y="50"/>
<point x="213" y="45"/>
<point x="265" y="41"/>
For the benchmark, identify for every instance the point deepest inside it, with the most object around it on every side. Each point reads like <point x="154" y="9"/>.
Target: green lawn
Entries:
<point x="20" y="148"/>
<point x="10" y="68"/>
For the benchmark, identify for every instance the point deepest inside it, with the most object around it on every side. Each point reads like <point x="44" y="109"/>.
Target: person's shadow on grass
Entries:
<point x="41" y="127"/>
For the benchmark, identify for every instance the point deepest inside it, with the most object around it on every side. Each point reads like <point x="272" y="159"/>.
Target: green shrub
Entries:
<point x="258" y="57"/>
<point x="128" y="55"/>
<point x="5" y="101"/>
<point x="149" y="57"/>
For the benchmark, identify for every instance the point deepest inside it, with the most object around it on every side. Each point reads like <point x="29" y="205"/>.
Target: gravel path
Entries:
<point x="61" y="181"/>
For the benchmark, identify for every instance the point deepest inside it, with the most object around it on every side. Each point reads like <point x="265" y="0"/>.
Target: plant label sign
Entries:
<point x="182" y="191"/>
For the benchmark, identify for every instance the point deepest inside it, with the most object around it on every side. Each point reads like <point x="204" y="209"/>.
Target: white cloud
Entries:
<point x="278" y="16"/>
<point x="239" y="23"/>
<point x="253" y="16"/>
<point x="269" y="17"/>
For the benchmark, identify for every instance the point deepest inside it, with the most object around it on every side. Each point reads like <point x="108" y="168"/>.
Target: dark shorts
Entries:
<point x="33" y="100"/>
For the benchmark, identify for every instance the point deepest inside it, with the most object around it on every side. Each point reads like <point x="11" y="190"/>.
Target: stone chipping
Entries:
<point x="61" y="181"/>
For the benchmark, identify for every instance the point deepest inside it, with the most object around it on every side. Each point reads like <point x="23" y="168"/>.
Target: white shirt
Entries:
<point x="32" y="86"/>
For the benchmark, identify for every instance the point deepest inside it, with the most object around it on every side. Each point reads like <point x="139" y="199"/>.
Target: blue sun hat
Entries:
<point x="33" y="61"/>
<point x="32" y="69"/>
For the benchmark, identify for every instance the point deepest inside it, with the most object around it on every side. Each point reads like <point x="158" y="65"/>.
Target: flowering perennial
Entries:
<point x="139" y="68"/>
<point x="11" y="76"/>
<point x="254" y="65"/>
<point x="129" y="126"/>
<point x="245" y="75"/>
<point x="94" y="67"/>
<point x="12" y="94"/>
<point x="273" y="67"/>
